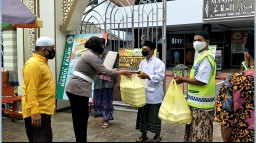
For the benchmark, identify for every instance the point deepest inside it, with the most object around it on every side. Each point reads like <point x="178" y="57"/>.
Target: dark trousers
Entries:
<point x="40" y="134"/>
<point x="80" y="115"/>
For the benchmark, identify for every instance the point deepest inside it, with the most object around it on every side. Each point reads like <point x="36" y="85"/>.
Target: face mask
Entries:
<point x="101" y="51"/>
<point x="198" y="46"/>
<point x="51" y="54"/>
<point x="144" y="53"/>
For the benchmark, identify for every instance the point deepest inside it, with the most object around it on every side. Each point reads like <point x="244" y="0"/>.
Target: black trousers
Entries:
<point x="40" y="134"/>
<point x="80" y="115"/>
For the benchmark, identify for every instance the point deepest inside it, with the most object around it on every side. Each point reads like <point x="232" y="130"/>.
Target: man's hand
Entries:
<point x="143" y="76"/>
<point x="36" y="120"/>
<point x="179" y="79"/>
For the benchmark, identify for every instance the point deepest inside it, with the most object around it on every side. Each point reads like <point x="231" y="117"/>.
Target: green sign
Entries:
<point x="64" y="67"/>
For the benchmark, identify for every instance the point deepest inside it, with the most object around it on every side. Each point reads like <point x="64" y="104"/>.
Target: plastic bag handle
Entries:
<point x="173" y="82"/>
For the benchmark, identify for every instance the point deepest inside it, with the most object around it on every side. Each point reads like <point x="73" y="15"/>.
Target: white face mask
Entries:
<point x="198" y="46"/>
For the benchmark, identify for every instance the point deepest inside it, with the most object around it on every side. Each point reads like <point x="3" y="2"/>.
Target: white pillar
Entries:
<point x="20" y="58"/>
<point x="46" y="13"/>
<point x="60" y="41"/>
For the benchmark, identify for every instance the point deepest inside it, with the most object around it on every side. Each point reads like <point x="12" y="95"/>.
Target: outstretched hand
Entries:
<point x="125" y="72"/>
<point x="116" y="69"/>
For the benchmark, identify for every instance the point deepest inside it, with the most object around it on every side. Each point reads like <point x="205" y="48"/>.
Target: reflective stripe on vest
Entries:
<point x="202" y="96"/>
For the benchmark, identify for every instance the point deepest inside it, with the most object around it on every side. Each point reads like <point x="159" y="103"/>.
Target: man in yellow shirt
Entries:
<point x="38" y="101"/>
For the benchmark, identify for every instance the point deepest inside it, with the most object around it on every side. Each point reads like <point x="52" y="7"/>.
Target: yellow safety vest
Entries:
<point x="202" y="96"/>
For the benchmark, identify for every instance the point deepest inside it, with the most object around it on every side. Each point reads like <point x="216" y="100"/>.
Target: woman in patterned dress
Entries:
<point x="234" y="106"/>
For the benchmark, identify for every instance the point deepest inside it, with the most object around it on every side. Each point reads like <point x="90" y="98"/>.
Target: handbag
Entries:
<point x="133" y="91"/>
<point x="174" y="108"/>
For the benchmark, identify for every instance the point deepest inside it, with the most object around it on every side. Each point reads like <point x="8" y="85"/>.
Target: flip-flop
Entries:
<point x="141" y="138"/>
<point x="105" y="125"/>
<point x="156" y="139"/>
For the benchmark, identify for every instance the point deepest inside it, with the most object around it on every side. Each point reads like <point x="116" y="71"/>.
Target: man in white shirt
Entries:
<point x="201" y="91"/>
<point x="204" y="70"/>
<point x="151" y="69"/>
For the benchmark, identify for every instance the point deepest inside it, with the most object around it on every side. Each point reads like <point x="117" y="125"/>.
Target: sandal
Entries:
<point x="105" y="125"/>
<point x="157" y="139"/>
<point x="141" y="138"/>
<point x="101" y="123"/>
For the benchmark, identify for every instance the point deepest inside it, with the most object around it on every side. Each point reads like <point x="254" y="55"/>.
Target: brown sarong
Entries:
<point x="201" y="127"/>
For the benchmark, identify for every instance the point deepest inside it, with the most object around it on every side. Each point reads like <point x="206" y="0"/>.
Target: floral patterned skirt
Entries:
<point x="103" y="103"/>
<point x="201" y="127"/>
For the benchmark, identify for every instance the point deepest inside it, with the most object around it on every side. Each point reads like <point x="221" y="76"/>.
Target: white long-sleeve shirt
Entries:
<point x="155" y="68"/>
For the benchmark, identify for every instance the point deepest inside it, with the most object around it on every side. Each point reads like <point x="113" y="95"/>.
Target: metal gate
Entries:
<point x="128" y="23"/>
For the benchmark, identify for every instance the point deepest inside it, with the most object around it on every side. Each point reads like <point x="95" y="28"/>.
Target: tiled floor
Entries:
<point x="122" y="129"/>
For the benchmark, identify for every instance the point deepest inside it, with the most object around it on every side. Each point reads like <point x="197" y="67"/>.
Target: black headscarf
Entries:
<point x="94" y="43"/>
<point x="103" y="41"/>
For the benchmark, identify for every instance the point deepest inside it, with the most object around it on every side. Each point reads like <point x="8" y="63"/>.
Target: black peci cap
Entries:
<point x="149" y="44"/>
